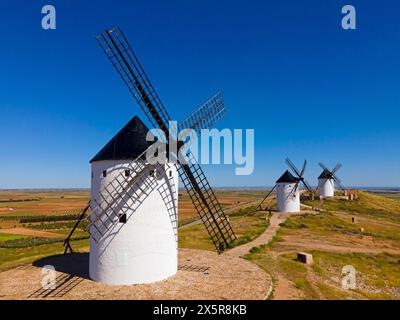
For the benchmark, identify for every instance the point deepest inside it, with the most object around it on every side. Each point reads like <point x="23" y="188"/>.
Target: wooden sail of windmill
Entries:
<point x="124" y="248"/>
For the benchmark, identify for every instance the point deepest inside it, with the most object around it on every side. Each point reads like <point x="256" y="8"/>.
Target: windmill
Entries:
<point x="287" y="189"/>
<point x="122" y="189"/>
<point x="327" y="180"/>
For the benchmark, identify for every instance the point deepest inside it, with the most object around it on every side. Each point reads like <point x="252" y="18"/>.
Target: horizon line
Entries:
<point x="221" y="187"/>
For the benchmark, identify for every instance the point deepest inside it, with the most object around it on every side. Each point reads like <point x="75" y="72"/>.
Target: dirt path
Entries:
<point x="285" y="290"/>
<point x="274" y="224"/>
<point x="276" y="219"/>
<point x="31" y="232"/>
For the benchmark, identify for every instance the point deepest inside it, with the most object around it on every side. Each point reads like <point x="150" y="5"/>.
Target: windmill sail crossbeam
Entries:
<point x="104" y="217"/>
<point x="206" y="116"/>
<point x="299" y="174"/>
<point x="203" y="118"/>
<point x="293" y="167"/>
<point x="336" y="168"/>
<point x="82" y="217"/>
<point x="307" y="185"/>
<point x="207" y="205"/>
<point x="338" y="182"/>
<point x="332" y="173"/>
<point x="104" y="214"/>
<point x="119" y="52"/>
<point x="168" y="192"/>
<point x="106" y="210"/>
<point x="259" y="207"/>
<point x="323" y="166"/>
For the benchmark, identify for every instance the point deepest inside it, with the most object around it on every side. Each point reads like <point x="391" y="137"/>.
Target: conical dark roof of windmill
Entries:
<point x="326" y="174"/>
<point x="287" y="177"/>
<point x="129" y="143"/>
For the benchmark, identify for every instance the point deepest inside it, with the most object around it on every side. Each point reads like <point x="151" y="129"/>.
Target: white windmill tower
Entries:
<point x="146" y="231"/>
<point x="327" y="180"/>
<point x="287" y="189"/>
<point x="133" y="219"/>
<point x="287" y="193"/>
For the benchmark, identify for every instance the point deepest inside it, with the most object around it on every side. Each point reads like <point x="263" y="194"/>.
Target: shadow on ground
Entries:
<point x="74" y="264"/>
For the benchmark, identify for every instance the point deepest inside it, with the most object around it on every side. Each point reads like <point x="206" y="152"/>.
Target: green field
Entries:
<point x="11" y="258"/>
<point x="7" y="237"/>
<point x="247" y="226"/>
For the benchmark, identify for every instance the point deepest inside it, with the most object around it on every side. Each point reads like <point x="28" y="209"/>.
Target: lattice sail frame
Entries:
<point x="333" y="173"/>
<point x="122" y="57"/>
<point x="106" y="211"/>
<point x="112" y="198"/>
<point x="206" y="116"/>
<point x="207" y="205"/>
<point x="119" y="52"/>
<point x="216" y="109"/>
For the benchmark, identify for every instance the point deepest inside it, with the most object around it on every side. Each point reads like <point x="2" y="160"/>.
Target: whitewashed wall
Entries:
<point x="326" y="187"/>
<point x="144" y="249"/>
<point x="286" y="200"/>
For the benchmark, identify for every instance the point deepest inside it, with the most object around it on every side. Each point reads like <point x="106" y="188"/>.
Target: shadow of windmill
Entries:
<point x="73" y="269"/>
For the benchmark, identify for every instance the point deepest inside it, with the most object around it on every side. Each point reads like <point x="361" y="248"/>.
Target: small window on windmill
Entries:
<point x="127" y="173"/>
<point x="153" y="173"/>
<point x="92" y="174"/>
<point x="105" y="173"/>
<point x="122" y="217"/>
<point x="170" y="173"/>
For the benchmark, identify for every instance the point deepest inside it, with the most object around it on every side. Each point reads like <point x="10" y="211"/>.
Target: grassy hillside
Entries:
<point x="371" y="245"/>
<point x="378" y="206"/>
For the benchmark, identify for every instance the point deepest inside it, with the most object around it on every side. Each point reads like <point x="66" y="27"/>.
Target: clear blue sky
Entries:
<point x="286" y="68"/>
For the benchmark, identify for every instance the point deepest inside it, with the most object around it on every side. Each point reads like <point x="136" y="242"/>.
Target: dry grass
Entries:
<point x="376" y="206"/>
<point x="335" y="241"/>
<point x="49" y="203"/>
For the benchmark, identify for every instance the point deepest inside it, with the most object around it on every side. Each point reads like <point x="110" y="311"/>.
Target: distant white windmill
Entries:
<point x="287" y="193"/>
<point x="327" y="180"/>
<point x="287" y="189"/>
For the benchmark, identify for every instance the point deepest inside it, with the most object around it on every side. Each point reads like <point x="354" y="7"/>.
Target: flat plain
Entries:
<point x="364" y="233"/>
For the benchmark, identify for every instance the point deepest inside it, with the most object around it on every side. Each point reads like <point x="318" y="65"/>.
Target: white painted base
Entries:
<point x="144" y="249"/>
<point x="286" y="200"/>
<point x="326" y="187"/>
